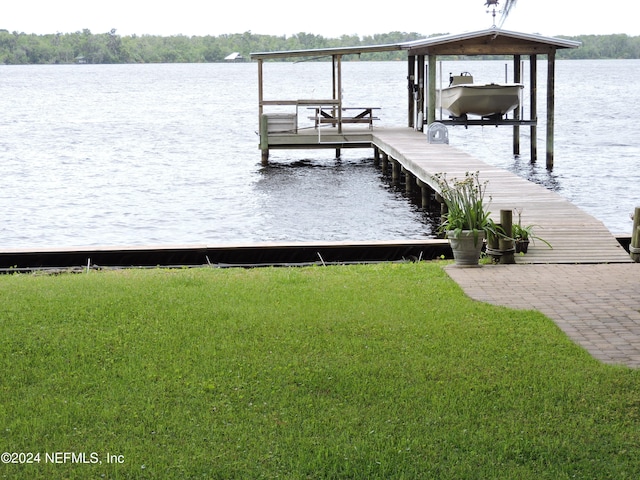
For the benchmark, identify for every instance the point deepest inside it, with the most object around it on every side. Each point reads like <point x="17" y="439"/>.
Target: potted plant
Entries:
<point x="466" y="222"/>
<point x="522" y="235"/>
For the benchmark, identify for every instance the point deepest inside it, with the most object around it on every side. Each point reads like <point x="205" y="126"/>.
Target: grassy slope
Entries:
<point x="379" y="371"/>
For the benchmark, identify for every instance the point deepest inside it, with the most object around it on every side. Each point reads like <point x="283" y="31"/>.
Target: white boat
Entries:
<point x="463" y="97"/>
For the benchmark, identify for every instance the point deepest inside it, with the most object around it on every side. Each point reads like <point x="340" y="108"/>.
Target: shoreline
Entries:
<point x="224" y="256"/>
<point x="219" y="256"/>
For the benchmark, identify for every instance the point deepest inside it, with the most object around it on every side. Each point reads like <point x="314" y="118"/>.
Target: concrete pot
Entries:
<point x="466" y="248"/>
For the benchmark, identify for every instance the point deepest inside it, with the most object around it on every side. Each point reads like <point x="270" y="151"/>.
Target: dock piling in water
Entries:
<point x="264" y="139"/>
<point x="384" y="165"/>
<point x="395" y="172"/>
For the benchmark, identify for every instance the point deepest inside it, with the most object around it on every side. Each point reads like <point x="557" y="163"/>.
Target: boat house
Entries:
<point x="280" y="130"/>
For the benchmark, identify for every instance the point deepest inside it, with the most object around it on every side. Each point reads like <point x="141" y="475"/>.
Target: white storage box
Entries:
<point x="282" y="123"/>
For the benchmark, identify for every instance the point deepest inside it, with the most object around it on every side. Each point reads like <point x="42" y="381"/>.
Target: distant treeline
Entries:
<point x="86" y="47"/>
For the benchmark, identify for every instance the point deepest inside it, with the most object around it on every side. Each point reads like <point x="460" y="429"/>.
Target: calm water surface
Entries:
<point x="167" y="154"/>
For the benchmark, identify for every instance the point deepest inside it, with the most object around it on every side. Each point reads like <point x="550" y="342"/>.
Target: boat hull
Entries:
<point x="483" y="100"/>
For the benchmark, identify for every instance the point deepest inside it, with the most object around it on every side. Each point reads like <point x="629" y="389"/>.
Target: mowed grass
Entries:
<point x="372" y="371"/>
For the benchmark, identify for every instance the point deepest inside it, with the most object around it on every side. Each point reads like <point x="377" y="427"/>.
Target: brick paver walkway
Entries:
<point x="597" y="306"/>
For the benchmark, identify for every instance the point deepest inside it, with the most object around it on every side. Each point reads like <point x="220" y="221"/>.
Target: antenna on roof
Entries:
<point x="492" y="6"/>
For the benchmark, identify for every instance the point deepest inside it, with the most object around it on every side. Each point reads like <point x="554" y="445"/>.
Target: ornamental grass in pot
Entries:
<point x="466" y="222"/>
<point x="523" y="234"/>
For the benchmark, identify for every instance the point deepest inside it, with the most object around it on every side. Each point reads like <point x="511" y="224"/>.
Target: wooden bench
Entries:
<point x="328" y="115"/>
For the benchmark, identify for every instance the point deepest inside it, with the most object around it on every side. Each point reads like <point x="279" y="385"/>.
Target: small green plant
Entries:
<point x="522" y="234"/>
<point x="466" y="206"/>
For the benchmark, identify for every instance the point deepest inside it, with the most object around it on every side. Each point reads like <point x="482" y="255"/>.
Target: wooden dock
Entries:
<point x="576" y="237"/>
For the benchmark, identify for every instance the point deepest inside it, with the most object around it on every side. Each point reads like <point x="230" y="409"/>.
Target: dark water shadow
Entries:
<point x="535" y="172"/>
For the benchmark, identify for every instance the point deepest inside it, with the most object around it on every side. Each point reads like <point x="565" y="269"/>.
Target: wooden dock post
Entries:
<point x="425" y="193"/>
<point x="410" y="89"/>
<point x="264" y="139"/>
<point x="395" y="172"/>
<point x="634" y="247"/>
<point x="533" y="129"/>
<point x="551" y="80"/>
<point x="409" y="181"/>
<point x="376" y="156"/>
<point x="517" y="78"/>
<point x="419" y="121"/>
<point x="384" y="164"/>
<point x="431" y="70"/>
<point x="505" y="243"/>
<point x="493" y="247"/>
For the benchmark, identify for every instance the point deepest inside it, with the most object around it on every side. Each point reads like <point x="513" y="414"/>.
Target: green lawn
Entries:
<point x="373" y="371"/>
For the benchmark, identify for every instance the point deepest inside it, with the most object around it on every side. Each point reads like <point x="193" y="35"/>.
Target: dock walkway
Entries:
<point x="576" y="237"/>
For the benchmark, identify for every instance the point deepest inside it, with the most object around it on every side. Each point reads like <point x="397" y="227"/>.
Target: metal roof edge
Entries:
<point x="560" y="42"/>
<point x="320" y="52"/>
<point x="443" y="39"/>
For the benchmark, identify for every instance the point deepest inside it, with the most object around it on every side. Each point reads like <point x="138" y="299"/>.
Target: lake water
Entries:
<point x="167" y="154"/>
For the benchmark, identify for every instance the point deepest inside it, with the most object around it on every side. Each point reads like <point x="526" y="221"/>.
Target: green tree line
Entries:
<point x="86" y="47"/>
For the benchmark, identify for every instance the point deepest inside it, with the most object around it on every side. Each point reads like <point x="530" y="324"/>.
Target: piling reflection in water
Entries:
<point x="340" y="199"/>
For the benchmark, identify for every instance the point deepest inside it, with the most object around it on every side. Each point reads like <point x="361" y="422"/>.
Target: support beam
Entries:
<point x="420" y="102"/>
<point x="262" y="119"/>
<point x="411" y="81"/>
<point x="517" y="78"/>
<point x="431" y="109"/>
<point x="337" y="92"/>
<point x="260" y="90"/>
<point x="551" y="81"/>
<point x="533" y="98"/>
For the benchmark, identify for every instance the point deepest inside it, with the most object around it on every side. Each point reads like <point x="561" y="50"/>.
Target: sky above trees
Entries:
<point x="330" y="18"/>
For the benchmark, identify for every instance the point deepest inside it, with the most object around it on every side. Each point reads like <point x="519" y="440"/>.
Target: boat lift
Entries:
<point x="421" y="77"/>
